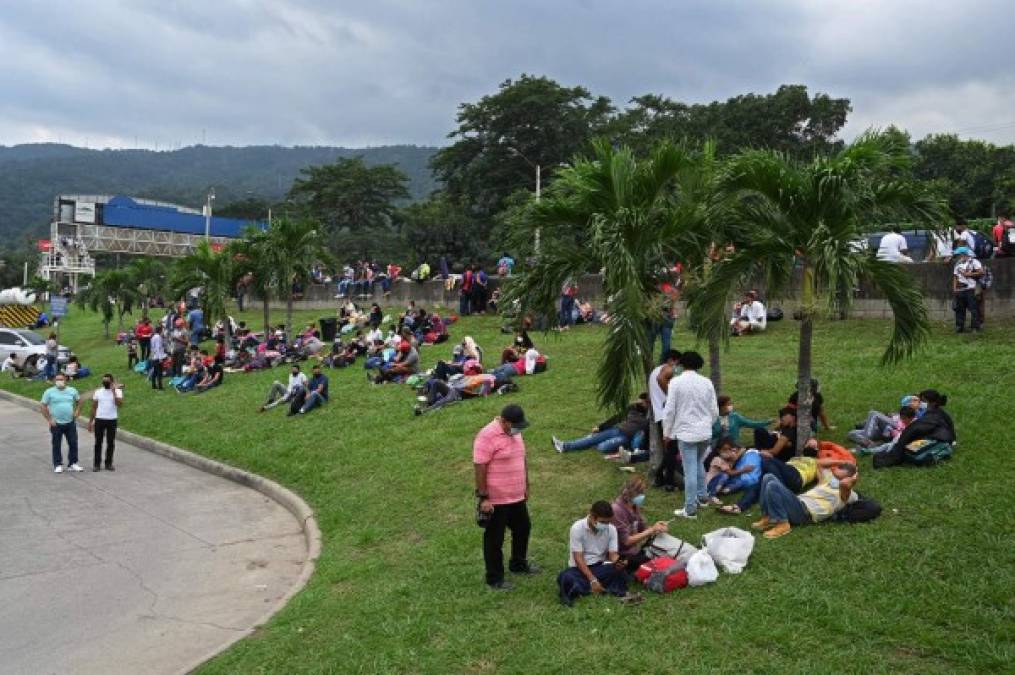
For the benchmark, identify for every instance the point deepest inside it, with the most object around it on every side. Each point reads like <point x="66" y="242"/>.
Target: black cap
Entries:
<point x="515" y="415"/>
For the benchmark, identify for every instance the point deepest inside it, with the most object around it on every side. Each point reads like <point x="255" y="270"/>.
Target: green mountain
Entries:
<point x="31" y="175"/>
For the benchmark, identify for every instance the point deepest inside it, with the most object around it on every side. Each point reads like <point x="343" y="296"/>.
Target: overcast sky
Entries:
<point x="159" y="73"/>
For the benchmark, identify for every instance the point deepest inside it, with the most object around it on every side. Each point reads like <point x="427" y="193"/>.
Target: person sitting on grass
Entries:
<point x="781" y="509"/>
<point x="749" y="316"/>
<point x="213" y="376"/>
<point x="906" y="417"/>
<point x="633" y="533"/>
<point x="780" y="444"/>
<point x="629" y="429"/>
<point x="738" y="469"/>
<point x="595" y="565"/>
<point x="280" y="393"/>
<point x="404" y="365"/>
<point x="730" y="422"/>
<point x="817" y="406"/>
<point x="315" y="393"/>
<point x="193" y="373"/>
<point x="935" y="425"/>
<point x="879" y="428"/>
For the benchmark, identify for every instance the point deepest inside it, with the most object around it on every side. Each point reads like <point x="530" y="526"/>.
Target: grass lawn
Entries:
<point x="926" y="588"/>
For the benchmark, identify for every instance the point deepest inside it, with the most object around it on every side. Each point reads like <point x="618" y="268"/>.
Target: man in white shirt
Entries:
<point x="9" y="365"/>
<point x="749" y="316"/>
<point x="893" y="248"/>
<point x="102" y="422"/>
<point x="594" y="564"/>
<point x="964" y="235"/>
<point x="691" y="408"/>
<point x="280" y="393"/>
<point x="664" y="466"/>
<point x="157" y="356"/>
<point x="967" y="270"/>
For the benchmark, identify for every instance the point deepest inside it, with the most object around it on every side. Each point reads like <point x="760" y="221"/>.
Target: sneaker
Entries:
<point x="96" y="467"/>
<point x="762" y="524"/>
<point x="631" y="599"/>
<point x="417" y="411"/>
<point x="625" y="455"/>
<point x="502" y="586"/>
<point x="58" y="468"/>
<point x="75" y="467"/>
<point x="558" y="444"/>
<point x="110" y="467"/>
<point x="682" y="513"/>
<point x="702" y="503"/>
<point x="778" y="530"/>
<point x="421" y="399"/>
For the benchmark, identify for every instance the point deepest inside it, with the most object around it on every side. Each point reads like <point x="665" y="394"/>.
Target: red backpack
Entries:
<point x="662" y="574"/>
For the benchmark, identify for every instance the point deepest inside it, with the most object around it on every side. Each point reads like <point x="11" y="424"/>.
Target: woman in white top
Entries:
<point x="102" y="422"/>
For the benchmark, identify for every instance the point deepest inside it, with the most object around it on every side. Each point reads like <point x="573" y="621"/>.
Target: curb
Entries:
<point x="288" y="499"/>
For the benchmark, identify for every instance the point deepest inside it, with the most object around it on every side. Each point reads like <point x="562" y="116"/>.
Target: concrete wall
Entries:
<point x="933" y="278"/>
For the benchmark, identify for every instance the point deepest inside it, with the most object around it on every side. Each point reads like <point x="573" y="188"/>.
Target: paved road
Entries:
<point x="144" y="570"/>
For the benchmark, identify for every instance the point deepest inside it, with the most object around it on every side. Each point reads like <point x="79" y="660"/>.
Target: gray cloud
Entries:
<point x="108" y="72"/>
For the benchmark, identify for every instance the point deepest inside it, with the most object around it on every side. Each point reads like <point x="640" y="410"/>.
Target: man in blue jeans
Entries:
<point x="691" y="409"/>
<point x="61" y="406"/>
<point x="782" y="509"/>
<point x="614" y="432"/>
<point x="318" y="391"/>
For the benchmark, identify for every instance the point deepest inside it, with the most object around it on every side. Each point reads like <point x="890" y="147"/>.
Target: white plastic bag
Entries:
<point x="665" y="544"/>
<point x="701" y="569"/>
<point x="730" y="548"/>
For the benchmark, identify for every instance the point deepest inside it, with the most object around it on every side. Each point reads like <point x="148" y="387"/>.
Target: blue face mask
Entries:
<point x="600" y="528"/>
<point x="638" y="500"/>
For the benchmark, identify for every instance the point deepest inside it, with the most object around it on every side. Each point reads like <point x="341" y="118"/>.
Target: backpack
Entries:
<point x="1008" y="241"/>
<point x="927" y="452"/>
<point x="862" y="510"/>
<point x="541" y="364"/>
<point x="983" y="248"/>
<point x="987" y="280"/>
<point x="774" y="314"/>
<point x="663" y="574"/>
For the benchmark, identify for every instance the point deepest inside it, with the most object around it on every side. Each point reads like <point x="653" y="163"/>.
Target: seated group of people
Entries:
<point x="465" y="376"/>
<point x="302" y="394"/>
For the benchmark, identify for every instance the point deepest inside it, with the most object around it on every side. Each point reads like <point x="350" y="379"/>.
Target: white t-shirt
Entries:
<point x="970" y="266"/>
<point x="656" y="394"/>
<point x="8" y="364"/>
<point x="892" y="247"/>
<point x="107" y="403"/>
<point x="297" y="380"/>
<point x="594" y="546"/>
<point x="968" y="239"/>
<point x="754" y="312"/>
<point x="531" y="356"/>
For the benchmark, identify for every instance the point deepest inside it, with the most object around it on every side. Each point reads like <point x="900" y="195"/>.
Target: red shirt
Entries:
<point x="504" y="457"/>
<point x="144" y="331"/>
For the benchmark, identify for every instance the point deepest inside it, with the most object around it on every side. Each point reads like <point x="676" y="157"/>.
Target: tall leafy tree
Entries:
<point x="501" y="138"/>
<point x="253" y="255"/>
<point x="210" y="270"/>
<point x="977" y="178"/>
<point x="355" y="203"/>
<point x="440" y="226"/>
<point x="150" y="278"/>
<point x="111" y="293"/>
<point x="294" y="245"/>
<point x="803" y="219"/>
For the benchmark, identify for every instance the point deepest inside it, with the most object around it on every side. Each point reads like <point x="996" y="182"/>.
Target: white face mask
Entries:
<point x="514" y="432"/>
<point x="60" y="384"/>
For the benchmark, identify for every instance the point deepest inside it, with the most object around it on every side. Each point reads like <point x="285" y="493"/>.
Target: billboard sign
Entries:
<point x="84" y="212"/>
<point x="57" y="306"/>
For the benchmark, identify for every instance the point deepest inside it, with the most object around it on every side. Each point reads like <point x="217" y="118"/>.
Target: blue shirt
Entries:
<point x="316" y="381"/>
<point x="61" y="403"/>
<point x="751" y="458"/>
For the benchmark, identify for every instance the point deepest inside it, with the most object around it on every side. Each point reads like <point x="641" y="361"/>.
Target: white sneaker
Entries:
<point x="682" y="513"/>
<point x="58" y="468"/>
<point x="625" y="455"/>
<point x="74" y="467"/>
<point x="558" y="444"/>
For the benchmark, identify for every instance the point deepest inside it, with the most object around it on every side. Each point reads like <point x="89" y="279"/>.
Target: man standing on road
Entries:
<point x="102" y="422"/>
<point x="691" y="409"/>
<point x="502" y="487"/>
<point x="158" y="355"/>
<point x="61" y="406"/>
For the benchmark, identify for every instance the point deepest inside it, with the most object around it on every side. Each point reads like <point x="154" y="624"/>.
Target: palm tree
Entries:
<point x="112" y="290"/>
<point x="293" y="246"/>
<point x="210" y="270"/>
<point x="253" y="254"/>
<point x="807" y="217"/>
<point x="630" y="218"/>
<point x="149" y="276"/>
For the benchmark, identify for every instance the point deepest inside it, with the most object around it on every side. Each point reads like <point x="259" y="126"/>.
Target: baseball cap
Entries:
<point x="515" y="415"/>
<point x="908" y="400"/>
<point x="962" y="250"/>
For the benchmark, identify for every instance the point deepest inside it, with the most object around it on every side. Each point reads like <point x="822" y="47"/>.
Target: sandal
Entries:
<point x="715" y="501"/>
<point x="730" y="509"/>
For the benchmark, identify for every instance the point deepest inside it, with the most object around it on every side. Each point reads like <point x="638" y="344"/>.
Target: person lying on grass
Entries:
<point x="629" y="430"/>
<point x="905" y="417"/>
<point x="781" y="443"/>
<point x="738" y="468"/>
<point x="879" y="427"/>
<point x="935" y="425"/>
<point x="795" y="474"/>
<point x="595" y="565"/>
<point x="782" y="509"/>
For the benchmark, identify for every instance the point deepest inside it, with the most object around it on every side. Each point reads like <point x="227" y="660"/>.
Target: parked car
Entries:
<point x="920" y="243"/>
<point x="26" y="346"/>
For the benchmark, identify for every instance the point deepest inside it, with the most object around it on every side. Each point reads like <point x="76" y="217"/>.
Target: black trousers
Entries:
<point x="146" y="348"/>
<point x="670" y="473"/>
<point x="156" y="373"/>
<point x="514" y="517"/>
<point x="105" y="429"/>
<point x="966" y="300"/>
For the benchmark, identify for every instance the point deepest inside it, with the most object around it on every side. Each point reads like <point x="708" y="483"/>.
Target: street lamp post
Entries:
<point x="539" y="187"/>
<point x="207" y="213"/>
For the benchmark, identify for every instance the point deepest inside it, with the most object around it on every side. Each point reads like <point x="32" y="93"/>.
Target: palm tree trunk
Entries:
<point x="805" y="395"/>
<point x="264" y="308"/>
<point x="714" y="366"/>
<point x="655" y="439"/>
<point x="289" y="314"/>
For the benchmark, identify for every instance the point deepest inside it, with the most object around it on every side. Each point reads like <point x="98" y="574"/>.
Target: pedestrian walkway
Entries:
<point x="145" y="570"/>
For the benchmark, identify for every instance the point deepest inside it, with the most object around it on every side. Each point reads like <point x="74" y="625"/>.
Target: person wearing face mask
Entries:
<point x="102" y="421"/>
<point x="61" y="406"/>
<point x="730" y="422"/>
<point x="629" y="430"/>
<point x="594" y="564"/>
<point x="502" y="488"/>
<point x="934" y="425"/>
<point x="633" y="533"/>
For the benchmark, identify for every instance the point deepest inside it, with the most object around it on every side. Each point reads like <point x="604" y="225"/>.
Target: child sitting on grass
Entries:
<point x="734" y="469"/>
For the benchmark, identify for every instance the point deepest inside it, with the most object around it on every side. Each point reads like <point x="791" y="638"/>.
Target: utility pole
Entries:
<point x="207" y="213"/>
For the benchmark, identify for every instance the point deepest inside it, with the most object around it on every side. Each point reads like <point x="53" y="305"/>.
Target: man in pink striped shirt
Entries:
<point x="502" y="486"/>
